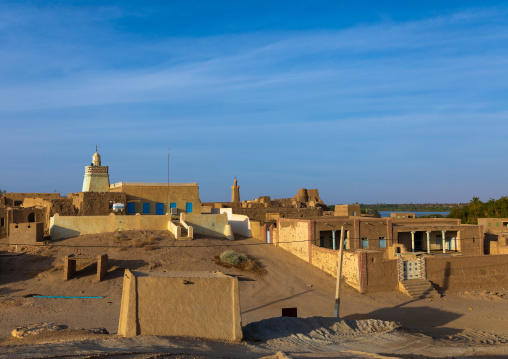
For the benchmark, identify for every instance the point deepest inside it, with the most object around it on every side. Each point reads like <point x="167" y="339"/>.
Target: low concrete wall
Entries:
<point x="176" y="230"/>
<point x="468" y="272"/>
<point x="194" y="304"/>
<point x="209" y="224"/>
<point x="72" y="226"/>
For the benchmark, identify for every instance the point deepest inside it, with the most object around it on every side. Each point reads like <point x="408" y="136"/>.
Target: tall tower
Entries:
<point x="96" y="176"/>
<point x="235" y="195"/>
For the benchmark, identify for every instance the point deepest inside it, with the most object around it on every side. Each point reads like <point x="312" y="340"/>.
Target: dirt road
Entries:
<point x="457" y="323"/>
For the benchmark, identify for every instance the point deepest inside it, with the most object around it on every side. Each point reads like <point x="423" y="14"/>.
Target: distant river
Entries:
<point x="418" y="214"/>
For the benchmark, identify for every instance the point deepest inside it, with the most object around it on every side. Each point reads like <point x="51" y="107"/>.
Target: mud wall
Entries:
<point x="381" y="274"/>
<point x="181" y="194"/>
<point x="12" y="199"/>
<point x="296" y="238"/>
<point x="256" y="229"/>
<point x="72" y="226"/>
<point x="192" y="304"/>
<point x="208" y="224"/>
<point x="260" y="214"/>
<point x="468" y="272"/>
<point x="328" y="260"/>
<point x="26" y="233"/>
<point x="96" y="203"/>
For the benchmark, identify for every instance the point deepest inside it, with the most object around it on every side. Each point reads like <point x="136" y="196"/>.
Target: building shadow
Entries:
<point x="117" y="267"/>
<point x="418" y="319"/>
<point x="23" y="267"/>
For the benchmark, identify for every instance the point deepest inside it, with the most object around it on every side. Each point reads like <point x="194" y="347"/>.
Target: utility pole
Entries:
<point x="167" y="199"/>
<point x="339" y="273"/>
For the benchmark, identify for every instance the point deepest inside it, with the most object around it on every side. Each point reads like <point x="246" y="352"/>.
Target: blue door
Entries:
<point x="267" y="234"/>
<point x="188" y="207"/>
<point x="146" y="208"/>
<point x="172" y="205"/>
<point x="159" y="209"/>
<point x="131" y="208"/>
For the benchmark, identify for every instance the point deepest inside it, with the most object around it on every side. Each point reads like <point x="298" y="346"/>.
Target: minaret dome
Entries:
<point x="96" y="160"/>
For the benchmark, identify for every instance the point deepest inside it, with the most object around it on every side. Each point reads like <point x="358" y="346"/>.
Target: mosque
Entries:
<point x="141" y="197"/>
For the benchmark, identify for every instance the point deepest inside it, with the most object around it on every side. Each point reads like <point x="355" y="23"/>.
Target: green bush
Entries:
<point x="231" y="257"/>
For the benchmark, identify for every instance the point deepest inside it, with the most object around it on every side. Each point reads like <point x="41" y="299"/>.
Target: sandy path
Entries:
<point x="289" y="282"/>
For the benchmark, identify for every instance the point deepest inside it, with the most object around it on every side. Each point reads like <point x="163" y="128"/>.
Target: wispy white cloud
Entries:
<point x="362" y="96"/>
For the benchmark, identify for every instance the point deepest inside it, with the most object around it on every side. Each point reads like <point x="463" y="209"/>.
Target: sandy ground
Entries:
<point x="458" y="324"/>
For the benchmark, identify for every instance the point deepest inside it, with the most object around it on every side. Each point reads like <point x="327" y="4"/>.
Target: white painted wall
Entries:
<point x="239" y="223"/>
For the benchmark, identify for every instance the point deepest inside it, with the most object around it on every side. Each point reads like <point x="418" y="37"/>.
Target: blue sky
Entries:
<point x="369" y="102"/>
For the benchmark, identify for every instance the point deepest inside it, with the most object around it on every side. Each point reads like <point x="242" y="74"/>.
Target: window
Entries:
<point x="505" y="224"/>
<point x="474" y="239"/>
<point x="354" y="214"/>
<point x="365" y="243"/>
<point x="18" y="203"/>
<point x="489" y="224"/>
<point x="346" y="244"/>
<point x="146" y="208"/>
<point x="497" y="224"/>
<point x="131" y="208"/>
<point x="2" y="222"/>
<point x="188" y="207"/>
<point x="382" y="242"/>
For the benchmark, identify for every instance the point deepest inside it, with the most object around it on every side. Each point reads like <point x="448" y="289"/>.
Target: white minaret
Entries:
<point x="96" y="176"/>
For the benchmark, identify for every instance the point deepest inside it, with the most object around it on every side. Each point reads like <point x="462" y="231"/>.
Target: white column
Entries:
<point x="428" y="242"/>
<point x="412" y="241"/>
<point x="443" y="233"/>
<point x="334" y="240"/>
